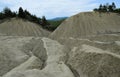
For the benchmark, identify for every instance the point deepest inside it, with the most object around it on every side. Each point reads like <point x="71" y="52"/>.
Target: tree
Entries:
<point x="110" y="8"/>
<point x="107" y="8"/>
<point x="2" y="16"/>
<point x="7" y="12"/>
<point x="44" y="22"/>
<point x="21" y="13"/>
<point x="113" y="6"/>
<point x="104" y="8"/>
<point x="117" y="10"/>
<point x="100" y="8"/>
<point x="27" y="15"/>
<point x="34" y="19"/>
<point x="27" y="12"/>
<point x="14" y="14"/>
<point x="95" y="10"/>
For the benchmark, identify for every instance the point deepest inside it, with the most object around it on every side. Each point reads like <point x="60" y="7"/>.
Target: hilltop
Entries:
<point x="21" y="27"/>
<point x="93" y="42"/>
<point x="88" y="23"/>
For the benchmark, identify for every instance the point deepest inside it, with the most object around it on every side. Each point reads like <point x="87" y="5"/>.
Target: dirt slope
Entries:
<point x="14" y="51"/>
<point x="96" y="56"/>
<point x="93" y="42"/>
<point x="37" y="57"/>
<point x="19" y="27"/>
<point x="88" y="23"/>
<point x="70" y="55"/>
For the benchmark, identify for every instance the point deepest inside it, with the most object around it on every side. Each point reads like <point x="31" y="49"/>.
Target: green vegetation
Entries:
<point x="7" y="13"/>
<point x="24" y="14"/>
<point x="107" y="8"/>
<point x="55" y="23"/>
<point x="50" y="25"/>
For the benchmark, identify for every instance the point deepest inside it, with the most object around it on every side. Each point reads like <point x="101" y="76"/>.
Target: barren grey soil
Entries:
<point x="20" y="27"/>
<point x="84" y="45"/>
<point x="40" y="57"/>
<point x="87" y="24"/>
<point x="93" y="40"/>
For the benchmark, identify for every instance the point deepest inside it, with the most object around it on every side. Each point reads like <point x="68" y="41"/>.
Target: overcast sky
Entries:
<point x="54" y="8"/>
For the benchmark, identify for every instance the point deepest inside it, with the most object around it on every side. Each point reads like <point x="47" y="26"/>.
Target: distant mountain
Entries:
<point x="55" y="22"/>
<point x="59" y="18"/>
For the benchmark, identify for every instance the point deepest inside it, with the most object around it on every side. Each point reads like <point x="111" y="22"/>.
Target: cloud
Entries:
<point x="51" y="8"/>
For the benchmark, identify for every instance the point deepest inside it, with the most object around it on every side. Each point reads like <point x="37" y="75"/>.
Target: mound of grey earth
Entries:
<point x="73" y="55"/>
<point x="20" y="27"/>
<point x="94" y="57"/>
<point x="87" y="24"/>
<point x="32" y="57"/>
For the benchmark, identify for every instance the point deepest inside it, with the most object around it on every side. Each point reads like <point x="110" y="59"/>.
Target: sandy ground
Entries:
<point x="48" y="62"/>
<point x="85" y="45"/>
<point x="87" y="24"/>
<point x="93" y="42"/>
<point x="19" y="27"/>
<point x="39" y="56"/>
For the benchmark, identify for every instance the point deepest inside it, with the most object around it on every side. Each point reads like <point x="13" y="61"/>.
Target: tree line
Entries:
<point x="24" y="14"/>
<point x="107" y="8"/>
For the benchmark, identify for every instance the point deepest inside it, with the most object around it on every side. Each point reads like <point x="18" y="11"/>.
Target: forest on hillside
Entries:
<point x="107" y="8"/>
<point x="24" y="14"/>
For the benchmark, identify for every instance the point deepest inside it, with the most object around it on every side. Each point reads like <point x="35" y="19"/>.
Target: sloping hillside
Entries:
<point x="70" y="55"/>
<point x="20" y="27"/>
<point x="88" y="23"/>
<point x="32" y="57"/>
<point x="36" y="57"/>
<point x="93" y="43"/>
<point x="97" y="56"/>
